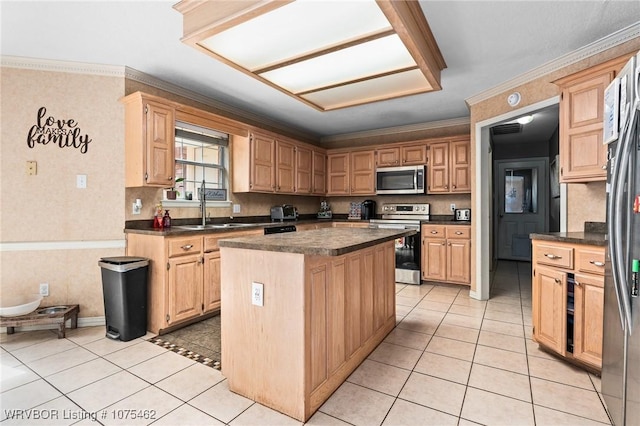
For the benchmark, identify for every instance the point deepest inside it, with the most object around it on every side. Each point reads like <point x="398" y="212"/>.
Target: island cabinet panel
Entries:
<point x="322" y="316"/>
<point x="549" y="305"/>
<point x="185" y="284"/>
<point x="589" y="311"/>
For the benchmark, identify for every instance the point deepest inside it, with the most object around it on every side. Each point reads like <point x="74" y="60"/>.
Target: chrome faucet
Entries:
<point x="203" y="204"/>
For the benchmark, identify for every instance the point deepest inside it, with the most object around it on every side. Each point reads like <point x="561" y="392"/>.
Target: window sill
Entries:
<point x="196" y="204"/>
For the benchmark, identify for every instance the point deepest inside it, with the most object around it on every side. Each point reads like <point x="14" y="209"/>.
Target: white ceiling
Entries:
<point x="484" y="44"/>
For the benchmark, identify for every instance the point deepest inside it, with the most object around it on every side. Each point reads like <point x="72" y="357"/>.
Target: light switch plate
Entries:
<point x="236" y="208"/>
<point x="257" y="294"/>
<point x="81" y="181"/>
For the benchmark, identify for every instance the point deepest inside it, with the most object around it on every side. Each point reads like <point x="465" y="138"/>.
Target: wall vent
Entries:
<point x="506" y="129"/>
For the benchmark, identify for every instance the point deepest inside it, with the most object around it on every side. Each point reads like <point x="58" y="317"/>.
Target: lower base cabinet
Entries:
<point x="568" y="300"/>
<point x="184" y="276"/>
<point x="446" y="253"/>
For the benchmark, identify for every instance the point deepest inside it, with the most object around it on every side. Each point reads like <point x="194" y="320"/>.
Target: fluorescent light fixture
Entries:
<point x="327" y="54"/>
<point x="525" y="119"/>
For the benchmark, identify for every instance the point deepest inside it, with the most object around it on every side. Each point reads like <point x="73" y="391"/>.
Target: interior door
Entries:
<point x="522" y="189"/>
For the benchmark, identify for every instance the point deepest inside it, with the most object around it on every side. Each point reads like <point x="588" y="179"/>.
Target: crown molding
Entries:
<point x="38" y="64"/>
<point x="614" y="39"/>
<point x="397" y="130"/>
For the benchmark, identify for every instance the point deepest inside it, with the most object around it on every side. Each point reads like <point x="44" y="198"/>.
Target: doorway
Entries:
<point x="483" y="227"/>
<point x="520" y="206"/>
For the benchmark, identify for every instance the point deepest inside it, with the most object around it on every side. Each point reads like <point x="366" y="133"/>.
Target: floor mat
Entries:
<point x="199" y="342"/>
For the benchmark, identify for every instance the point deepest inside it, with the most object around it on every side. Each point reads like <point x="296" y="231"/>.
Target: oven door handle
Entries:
<point x="391" y="226"/>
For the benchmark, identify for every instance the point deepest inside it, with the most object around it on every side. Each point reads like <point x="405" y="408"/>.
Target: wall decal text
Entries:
<point x="64" y="133"/>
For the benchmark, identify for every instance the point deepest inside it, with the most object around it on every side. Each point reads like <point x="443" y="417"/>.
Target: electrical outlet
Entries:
<point x="44" y="289"/>
<point x="236" y="208"/>
<point x="257" y="294"/>
<point x="453" y="207"/>
<point x="136" y="208"/>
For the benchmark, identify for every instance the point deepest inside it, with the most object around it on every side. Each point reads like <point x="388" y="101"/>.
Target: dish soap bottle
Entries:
<point x="166" y="220"/>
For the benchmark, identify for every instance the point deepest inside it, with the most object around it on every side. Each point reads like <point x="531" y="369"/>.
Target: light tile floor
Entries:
<point x="451" y="360"/>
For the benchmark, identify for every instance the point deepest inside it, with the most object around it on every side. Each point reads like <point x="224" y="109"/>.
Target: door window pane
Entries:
<point x="521" y="191"/>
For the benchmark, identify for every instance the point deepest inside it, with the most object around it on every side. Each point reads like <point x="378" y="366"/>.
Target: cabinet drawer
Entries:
<point x="590" y="260"/>
<point x="184" y="246"/>
<point x="433" y="231"/>
<point x="459" y="232"/>
<point x="548" y="254"/>
<point x="211" y="241"/>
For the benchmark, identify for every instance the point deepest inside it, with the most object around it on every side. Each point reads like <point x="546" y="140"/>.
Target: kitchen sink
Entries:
<point x="215" y="226"/>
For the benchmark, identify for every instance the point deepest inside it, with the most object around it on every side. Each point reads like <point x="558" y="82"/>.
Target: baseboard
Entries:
<point x="82" y="322"/>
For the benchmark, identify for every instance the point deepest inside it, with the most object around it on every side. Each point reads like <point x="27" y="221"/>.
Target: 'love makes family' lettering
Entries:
<point x="64" y="133"/>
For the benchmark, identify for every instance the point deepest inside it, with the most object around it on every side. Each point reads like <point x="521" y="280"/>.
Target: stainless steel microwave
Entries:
<point x="401" y="180"/>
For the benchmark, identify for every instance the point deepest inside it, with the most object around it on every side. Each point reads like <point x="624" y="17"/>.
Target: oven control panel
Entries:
<point x="408" y="209"/>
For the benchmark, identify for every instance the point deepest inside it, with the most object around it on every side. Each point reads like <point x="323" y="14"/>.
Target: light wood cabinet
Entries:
<point x="583" y="156"/>
<point x="446" y="253"/>
<point x="184" y="276"/>
<point x="264" y="162"/>
<point x="449" y="167"/>
<point x="568" y="300"/>
<point x="402" y="155"/>
<point x="149" y="141"/>
<point x="322" y="316"/>
<point x="351" y="173"/>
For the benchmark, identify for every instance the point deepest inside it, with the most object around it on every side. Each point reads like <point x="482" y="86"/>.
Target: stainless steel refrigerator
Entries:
<point x="621" y="340"/>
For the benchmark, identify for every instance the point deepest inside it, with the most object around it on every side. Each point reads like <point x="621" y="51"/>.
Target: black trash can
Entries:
<point x="124" y="285"/>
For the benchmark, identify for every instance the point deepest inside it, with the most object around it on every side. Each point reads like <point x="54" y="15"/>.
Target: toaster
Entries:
<point x="284" y="212"/>
<point x="463" y="214"/>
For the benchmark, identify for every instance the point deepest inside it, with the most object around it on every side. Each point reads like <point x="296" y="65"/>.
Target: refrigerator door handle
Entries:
<point x="619" y="205"/>
<point x="612" y="225"/>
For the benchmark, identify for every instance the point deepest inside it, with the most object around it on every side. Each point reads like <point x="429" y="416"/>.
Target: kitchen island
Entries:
<point x="302" y="310"/>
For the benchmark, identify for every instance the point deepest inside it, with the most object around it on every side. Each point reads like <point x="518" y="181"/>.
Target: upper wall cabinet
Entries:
<point x="403" y="155"/>
<point x="351" y="173"/>
<point x="264" y="162"/>
<point x="583" y="157"/>
<point x="149" y="141"/>
<point x="449" y="167"/>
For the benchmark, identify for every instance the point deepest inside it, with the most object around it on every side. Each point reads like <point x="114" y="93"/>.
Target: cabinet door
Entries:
<point x="338" y="174"/>
<point x="262" y="163"/>
<point x="414" y="155"/>
<point x="460" y="167"/>
<point x="438" y="168"/>
<point x="185" y="287"/>
<point x="434" y="259"/>
<point x="319" y="185"/>
<point x="304" y="170"/>
<point x="549" y="306"/>
<point x="388" y="157"/>
<point x="588" y="319"/>
<point x="285" y="169"/>
<point x="211" y="281"/>
<point x="362" y="172"/>
<point x="367" y="295"/>
<point x="160" y="140"/>
<point x="583" y="157"/>
<point x="459" y="261"/>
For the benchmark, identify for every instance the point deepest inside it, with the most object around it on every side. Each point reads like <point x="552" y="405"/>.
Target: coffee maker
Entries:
<point x="368" y="209"/>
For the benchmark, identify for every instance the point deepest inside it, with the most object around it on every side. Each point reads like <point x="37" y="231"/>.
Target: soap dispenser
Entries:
<point x="166" y="220"/>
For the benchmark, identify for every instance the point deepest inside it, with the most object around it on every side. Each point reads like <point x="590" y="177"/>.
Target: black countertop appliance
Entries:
<point x="368" y="209"/>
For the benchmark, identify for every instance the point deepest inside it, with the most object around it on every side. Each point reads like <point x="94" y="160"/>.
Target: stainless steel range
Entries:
<point x="405" y="216"/>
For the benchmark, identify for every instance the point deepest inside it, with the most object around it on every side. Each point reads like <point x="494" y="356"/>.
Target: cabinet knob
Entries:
<point x="556" y="280"/>
<point x="458" y="233"/>
<point x="552" y="256"/>
<point x="434" y="232"/>
<point x="442" y="244"/>
<point x="596" y="263"/>
<point x="187" y="247"/>
<point x="446" y="187"/>
<point x="604" y="167"/>
<point x="576" y="283"/>
<point x="170" y="177"/>
<point x="454" y="187"/>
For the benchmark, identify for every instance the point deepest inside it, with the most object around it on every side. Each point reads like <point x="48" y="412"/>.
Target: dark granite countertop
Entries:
<point x="590" y="238"/>
<point x="318" y="242"/>
<point x="445" y="220"/>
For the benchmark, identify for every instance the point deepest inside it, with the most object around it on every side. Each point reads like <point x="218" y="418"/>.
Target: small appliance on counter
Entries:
<point x="355" y="211"/>
<point x="368" y="210"/>
<point x="325" y="211"/>
<point x="283" y="212"/>
<point x="462" y="215"/>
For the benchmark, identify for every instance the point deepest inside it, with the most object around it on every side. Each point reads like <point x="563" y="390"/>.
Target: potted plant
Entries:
<point x="172" y="194"/>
